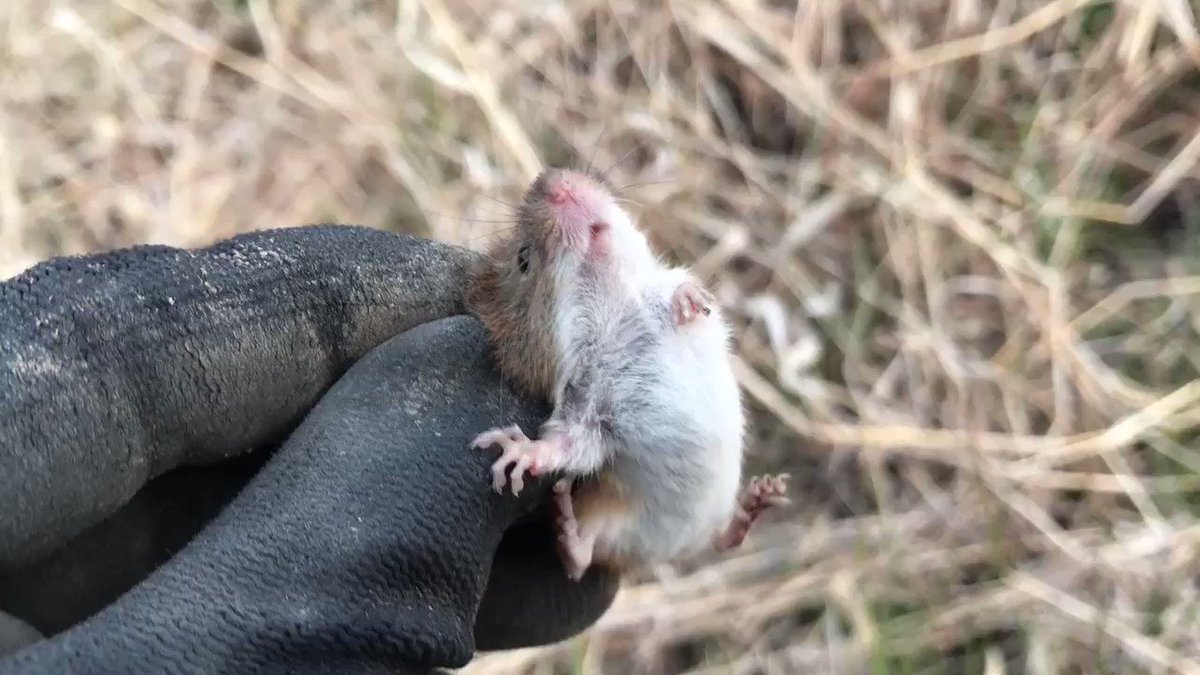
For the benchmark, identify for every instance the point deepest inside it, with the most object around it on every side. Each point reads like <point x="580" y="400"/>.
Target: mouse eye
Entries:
<point x="523" y="259"/>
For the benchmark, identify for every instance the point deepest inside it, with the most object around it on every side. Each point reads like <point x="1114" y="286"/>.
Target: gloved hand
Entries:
<point x="370" y="541"/>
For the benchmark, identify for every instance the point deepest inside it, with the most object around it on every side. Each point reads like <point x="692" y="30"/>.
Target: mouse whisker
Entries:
<point x="464" y="219"/>
<point x="643" y="183"/>
<point x="493" y="233"/>
<point x="502" y="202"/>
<point x="589" y="165"/>
<point x="617" y="163"/>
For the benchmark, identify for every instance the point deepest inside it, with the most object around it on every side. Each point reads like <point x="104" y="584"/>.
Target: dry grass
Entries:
<point x="960" y="238"/>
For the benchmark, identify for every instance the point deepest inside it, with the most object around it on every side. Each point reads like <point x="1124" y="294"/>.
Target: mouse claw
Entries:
<point x="518" y="453"/>
<point x="498" y="436"/>
<point x="764" y="492"/>
<point x="520" y="466"/>
<point x="689" y="301"/>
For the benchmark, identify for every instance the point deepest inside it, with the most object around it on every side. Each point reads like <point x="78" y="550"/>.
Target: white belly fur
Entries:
<point x="698" y="403"/>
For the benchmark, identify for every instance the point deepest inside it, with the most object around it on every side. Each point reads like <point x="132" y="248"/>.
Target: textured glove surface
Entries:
<point x="117" y="367"/>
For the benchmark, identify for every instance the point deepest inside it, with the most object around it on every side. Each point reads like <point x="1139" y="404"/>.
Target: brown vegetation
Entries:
<point x="961" y="240"/>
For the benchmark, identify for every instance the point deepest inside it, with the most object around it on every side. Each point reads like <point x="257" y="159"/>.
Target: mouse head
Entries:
<point x="571" y="234"/>
<point x="574" y="223"/>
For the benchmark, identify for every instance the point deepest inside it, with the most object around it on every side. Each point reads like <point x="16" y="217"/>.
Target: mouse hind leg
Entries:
<point x="574" y="548"/>
<point x="582" y="518"/>
<point x="761" y="494"/>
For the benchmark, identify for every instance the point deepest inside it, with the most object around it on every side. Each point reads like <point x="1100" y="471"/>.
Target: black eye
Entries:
<point x="523" y="259"/>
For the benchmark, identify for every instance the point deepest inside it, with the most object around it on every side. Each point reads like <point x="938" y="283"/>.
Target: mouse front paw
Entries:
<point x="518" y="452"/>
<point x="689" y="301"/>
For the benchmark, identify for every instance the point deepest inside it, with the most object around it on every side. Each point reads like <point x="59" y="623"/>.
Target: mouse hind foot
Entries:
<point x="760" y="494"/>
<point x="575" y="549"/>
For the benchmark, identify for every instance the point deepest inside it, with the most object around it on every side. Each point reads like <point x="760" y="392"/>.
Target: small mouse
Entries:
<point x="647" y="427"/>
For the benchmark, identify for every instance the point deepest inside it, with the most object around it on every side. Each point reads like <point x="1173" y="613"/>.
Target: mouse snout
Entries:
<point x="558" y="190"/>
<point x="579" y="210"/>
<point x="565" y="186"/>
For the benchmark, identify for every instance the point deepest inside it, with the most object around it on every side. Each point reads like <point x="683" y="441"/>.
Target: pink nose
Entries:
<point x="558" y="192"/>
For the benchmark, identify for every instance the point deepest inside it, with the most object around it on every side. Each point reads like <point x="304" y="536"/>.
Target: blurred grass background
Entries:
<point x="960" y="240"/>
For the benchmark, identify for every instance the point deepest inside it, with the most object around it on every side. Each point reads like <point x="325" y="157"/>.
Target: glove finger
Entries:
<point x="95" y="568"/>
<point x="118" y="367"/>
<point x="367" y="541"/>
<point x="530" y="601"/>
<point x="15" y="634"/>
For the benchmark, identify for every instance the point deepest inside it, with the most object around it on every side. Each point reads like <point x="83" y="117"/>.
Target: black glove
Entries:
<point x="370" y="541"/>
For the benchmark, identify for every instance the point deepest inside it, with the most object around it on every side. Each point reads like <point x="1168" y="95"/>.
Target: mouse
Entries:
<point x="647" y="426"/>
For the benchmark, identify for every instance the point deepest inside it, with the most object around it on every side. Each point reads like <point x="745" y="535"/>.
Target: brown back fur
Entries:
<point x="515" y="307"/>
